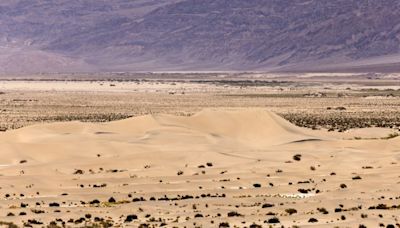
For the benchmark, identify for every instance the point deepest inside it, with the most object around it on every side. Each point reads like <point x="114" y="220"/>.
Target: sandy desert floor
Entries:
<point x="200" y="155"/>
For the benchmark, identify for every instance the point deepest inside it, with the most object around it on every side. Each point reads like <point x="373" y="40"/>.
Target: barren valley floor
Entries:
<point x="335" y="103"/>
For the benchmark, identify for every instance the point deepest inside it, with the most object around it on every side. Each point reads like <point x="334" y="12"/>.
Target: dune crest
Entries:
<point x="254" y="127"/>
<point x="225" y="132"/>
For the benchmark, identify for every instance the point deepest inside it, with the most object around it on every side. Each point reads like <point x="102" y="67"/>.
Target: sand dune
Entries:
<point x="239" y="160"/>
<point x="247" y="129"/>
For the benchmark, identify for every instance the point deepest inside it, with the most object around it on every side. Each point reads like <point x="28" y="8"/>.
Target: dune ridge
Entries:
<point x="251" y="127"/>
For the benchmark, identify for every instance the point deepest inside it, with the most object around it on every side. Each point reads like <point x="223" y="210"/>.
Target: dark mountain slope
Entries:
<point x="206" y="34"/>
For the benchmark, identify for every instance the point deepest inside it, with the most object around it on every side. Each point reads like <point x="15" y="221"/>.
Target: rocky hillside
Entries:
<point x="96" y="35"/>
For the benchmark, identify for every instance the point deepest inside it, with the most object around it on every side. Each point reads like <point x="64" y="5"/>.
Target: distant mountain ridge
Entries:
<point x="156" y="35"/>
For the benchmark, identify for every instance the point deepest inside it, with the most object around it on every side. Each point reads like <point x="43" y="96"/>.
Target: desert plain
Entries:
<point x="200" y="150"/>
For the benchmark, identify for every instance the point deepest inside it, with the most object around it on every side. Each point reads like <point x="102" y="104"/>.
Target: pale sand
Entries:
<point x="142" y="156"/>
